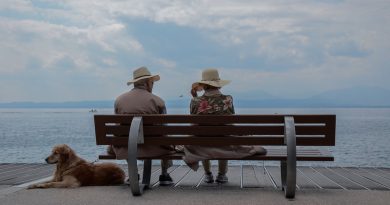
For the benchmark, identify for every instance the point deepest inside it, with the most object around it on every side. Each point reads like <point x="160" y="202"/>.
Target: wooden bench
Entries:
<point x="288" y="131"/>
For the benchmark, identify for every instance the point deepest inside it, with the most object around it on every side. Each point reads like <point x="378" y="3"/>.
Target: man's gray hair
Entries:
<point x="141" y="83"/>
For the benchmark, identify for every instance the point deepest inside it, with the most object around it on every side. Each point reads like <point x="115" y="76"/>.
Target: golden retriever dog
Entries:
<point x="73" y="171"/>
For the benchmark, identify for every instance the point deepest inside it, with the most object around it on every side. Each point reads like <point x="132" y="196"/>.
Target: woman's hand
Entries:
<point x="194" y="93"/>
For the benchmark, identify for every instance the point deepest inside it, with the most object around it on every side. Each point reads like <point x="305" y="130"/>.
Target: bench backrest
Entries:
<point x="313" y="130"/>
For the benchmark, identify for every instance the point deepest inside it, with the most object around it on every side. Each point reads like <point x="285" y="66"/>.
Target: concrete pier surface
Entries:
<point x="162" y="196"/>
<point x="247" y="185"/>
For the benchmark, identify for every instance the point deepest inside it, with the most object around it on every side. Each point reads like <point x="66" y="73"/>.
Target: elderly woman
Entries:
<point x="213" y="102"/>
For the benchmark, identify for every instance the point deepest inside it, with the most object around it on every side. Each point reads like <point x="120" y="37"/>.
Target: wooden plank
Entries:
<point x="154" y="180"/>
<point x="318" y="178"/>
<point x="274" y="173"/>
<point x="8" y="166"/>
<point x="199" y="119"/>
<point x="106" y="156"/>
<point x="304" y="182"/>
<point x="237" y="129"/>
<point x="156" y="169"/>
<point x="263" y="177"/>
<point x="344" y="182"/>
<point x="192" y="179"/>
<point x="249" y="179"/>
<point x="28" y="174"/>
<point x="178" y="174"/>
<point x="19" y="167"/>
<point x="273" y="154"/>
<point x="4" y="187"/>
<point x="217" y="140"/>
<point x="373" y="177"/>
<point x="214" y="170"/>
<point x="359" y="179"/>
<point x="10" y="174"/>
<point x="377" y="172"/>
<point x="209" y="130"/>
<point x="215" y="119"/>
<point x="234" y="176"/>
<point x="38" y="175"/>
<point x="386" y="171"/>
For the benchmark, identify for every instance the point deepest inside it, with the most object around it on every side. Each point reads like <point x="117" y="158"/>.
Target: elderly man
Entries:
<point x="140" y="100"/>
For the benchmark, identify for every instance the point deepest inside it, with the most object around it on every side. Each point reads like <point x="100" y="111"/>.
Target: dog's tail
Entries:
<point x="118" y="176"/>
<point x="109" y="174"/>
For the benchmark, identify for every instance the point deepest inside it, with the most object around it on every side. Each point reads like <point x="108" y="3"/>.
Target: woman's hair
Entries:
<point x="209" y="87"/>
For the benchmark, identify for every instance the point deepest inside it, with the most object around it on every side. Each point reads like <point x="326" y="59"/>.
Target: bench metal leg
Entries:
<point x="136" y="136"/>
<point x="288" y="180"/>
<point x="288" y="169"/>
<point x="147" y="173"/>
<point x="283" y="173"/>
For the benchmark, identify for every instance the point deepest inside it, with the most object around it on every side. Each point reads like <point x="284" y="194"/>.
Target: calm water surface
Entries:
<point x="27" y="135"/>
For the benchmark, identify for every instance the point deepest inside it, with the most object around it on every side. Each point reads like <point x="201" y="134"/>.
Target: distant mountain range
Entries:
<point x="352" y="97"/>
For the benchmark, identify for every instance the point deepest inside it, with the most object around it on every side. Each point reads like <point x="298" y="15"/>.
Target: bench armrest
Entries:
<point x="289" y="167"/>
<point x="136" y="136"/>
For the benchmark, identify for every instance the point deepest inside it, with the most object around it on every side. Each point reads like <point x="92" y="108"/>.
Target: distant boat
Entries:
<point x="180" y="96"/>
<point x="93" y="110"/>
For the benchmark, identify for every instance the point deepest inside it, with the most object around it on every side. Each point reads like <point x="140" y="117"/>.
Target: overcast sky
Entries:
<point x="79" y="50"/>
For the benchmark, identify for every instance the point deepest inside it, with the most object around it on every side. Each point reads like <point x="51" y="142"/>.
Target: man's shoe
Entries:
<point x="208" y="178"/>
<point x="165" y="180"/>
<point x="221" y="178"/>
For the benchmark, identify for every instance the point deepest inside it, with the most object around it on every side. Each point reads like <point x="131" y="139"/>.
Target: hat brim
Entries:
<point x="217" y="83"/>
<point x="155" y="78"/>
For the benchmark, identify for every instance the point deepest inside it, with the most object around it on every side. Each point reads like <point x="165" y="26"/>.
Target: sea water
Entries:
<point x="27" y="135"/>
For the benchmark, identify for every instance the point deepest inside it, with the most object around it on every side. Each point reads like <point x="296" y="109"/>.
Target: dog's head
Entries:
<point x="60" y="154"/>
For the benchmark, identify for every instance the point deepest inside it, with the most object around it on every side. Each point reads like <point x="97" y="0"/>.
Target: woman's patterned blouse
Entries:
<point x="216" y="104"/>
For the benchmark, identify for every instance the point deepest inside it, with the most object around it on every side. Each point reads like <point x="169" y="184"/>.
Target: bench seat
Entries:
<point x="272" y="155"/>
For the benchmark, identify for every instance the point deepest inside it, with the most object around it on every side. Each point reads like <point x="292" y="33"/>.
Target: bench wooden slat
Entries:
<point x="272" y="154"/>
<point x="216" y="140"/>
<point x="123" y="130"/>
<point x="219" y="119"/>
<point x="198" y="119"/>
<point x="200" y="130"/>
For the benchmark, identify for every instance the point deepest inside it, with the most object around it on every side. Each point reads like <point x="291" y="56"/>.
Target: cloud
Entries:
<point x="165" y="63"/>
<point x="16" y="5"/>
<point x="289" y="48"/>
<point x="347" y="49"/>
<point x="50" y="43"/>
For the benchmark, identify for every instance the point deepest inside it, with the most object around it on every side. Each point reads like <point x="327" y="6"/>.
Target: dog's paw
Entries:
<point x="36" y="186"/>
<point x="32" y="186"/>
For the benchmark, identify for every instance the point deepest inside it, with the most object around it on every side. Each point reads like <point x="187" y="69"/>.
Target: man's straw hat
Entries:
<point x="142" y="73"/>
<point x="210" y="77"/>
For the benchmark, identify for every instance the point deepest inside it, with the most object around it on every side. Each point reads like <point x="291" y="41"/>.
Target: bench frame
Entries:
<point x="287" y="162"/>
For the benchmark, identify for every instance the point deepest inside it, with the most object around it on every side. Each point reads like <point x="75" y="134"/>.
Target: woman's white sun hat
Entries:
<point x="210" y="76"/>
<point x="142" y="73"/>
